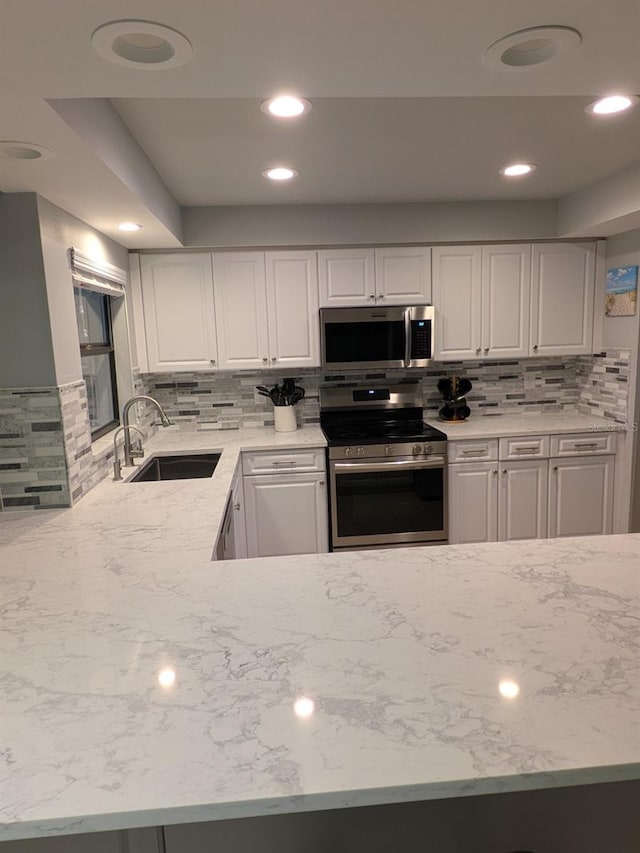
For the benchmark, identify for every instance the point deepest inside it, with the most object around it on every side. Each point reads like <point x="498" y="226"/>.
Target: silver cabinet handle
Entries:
<point x="585" y="444"/>
<point x="381" y="296"/>
<point x="495" y="471"/>
<point x="372" y="296"/>
<point x="289" y="464"/>
<point x="555" y="468"/>
<point x="213" y="361"/>
<point x="478" y="350"/>
<point x="273" y="359"/>
<point x="265" y="360"/>
<point x="525" y="449"/>
<point x="535" y="347"/>
<point x="474" y="452"/>
<point x="236" y="507"/>
<point x="321" y="483"/>
<point x="504" y="470"/>
<point x="486" y="349"/>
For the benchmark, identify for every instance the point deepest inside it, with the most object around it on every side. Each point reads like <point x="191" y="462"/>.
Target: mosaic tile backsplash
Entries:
<point x="47" y="458"/>
<point x="229" y="400"/>
<point x="33" y="471"/>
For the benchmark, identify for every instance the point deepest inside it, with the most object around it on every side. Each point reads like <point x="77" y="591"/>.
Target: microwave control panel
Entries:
<point x="420" y="339"/>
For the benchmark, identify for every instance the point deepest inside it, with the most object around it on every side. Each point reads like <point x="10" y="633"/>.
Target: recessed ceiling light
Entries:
<point x="280" y="173"/>
<point x="612" y="104"/>
<point x="12" y="150"/>
<point x="530" y="47"/>
<point x="516" y="170"/>
<point x="286" y="106"/>
<point x="129" y="226"/>
<point x="141" y="44"/>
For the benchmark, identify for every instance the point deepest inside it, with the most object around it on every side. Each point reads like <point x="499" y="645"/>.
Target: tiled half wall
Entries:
<point x="33" y="468"/>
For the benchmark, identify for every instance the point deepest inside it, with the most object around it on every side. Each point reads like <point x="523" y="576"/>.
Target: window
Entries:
<point x="93" y="314"/>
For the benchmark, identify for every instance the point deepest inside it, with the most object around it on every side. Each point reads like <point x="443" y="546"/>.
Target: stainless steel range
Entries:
<point x="387" y="468"/>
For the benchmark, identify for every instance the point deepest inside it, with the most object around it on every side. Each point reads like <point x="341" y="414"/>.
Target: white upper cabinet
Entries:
<point x="506" y="294"/>
<point x="403" y="276"/>
<point x="179" y="317"/>
<point x="563" y="281"/>
<point x="457" y="301"/>
<point x="241" y="310"/>
<point x="347" y="277"/>
<point x="393" y="276"/>
<point x="481" y="296"/>
<point x="292" y="306"/>
<point x="266" y="309"/>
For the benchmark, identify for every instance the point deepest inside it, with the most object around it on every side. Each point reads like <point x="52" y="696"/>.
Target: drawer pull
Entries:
<point x="288" y="464"/>
<point x="474" y="452"/>
<point x="585" y="444"/>
<point x="526" y="449"/>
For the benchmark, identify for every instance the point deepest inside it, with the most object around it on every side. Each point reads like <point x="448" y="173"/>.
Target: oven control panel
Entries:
<point x="377" y="451"/>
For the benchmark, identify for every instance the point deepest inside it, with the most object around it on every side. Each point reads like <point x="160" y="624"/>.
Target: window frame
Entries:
<point x="104" y="349"/>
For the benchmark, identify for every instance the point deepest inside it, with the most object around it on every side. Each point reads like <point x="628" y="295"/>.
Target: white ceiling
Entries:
<point x="404" y="108"/>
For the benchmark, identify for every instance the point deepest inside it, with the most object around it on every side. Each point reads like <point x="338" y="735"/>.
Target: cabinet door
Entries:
<point x="456" y="298"/>
<point x="239" y="533"/>
<point x="523" y="500"/>
<point x="292" y="305"/>
<point x="581" y="496"/>
<point x="286" y="514"/>
<point x="347" y="277"/>
<point x="179" y="318"/>
<point x="473" y="502"/>
<point x="562" y="285"/>
<point x="403" y="276"/>
<point x="241" y="310"/>
<point x="506" y="296"/>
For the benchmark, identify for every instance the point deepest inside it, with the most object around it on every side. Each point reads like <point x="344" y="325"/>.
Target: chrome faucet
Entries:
<point x="117" y="467"/>
<point x="165" y="421"/>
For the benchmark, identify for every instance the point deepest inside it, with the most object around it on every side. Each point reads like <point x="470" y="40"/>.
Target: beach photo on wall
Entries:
<point x="622" y="292"/>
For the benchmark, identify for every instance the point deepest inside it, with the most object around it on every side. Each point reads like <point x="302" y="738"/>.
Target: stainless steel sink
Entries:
<point x="185" y="466"/>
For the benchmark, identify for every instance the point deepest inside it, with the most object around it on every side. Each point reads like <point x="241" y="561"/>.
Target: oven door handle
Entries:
<point x="406" y="464"/>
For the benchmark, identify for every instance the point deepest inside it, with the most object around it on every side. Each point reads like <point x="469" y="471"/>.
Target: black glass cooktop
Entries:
<point x="387" y="431"/>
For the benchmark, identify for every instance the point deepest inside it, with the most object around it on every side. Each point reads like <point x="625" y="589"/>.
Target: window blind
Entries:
<point x="98" y="276"/>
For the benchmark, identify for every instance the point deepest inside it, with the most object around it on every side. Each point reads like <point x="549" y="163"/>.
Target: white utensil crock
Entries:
<point x="285" y="418"/>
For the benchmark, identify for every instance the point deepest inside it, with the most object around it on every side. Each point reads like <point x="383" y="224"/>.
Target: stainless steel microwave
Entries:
<point x="376" y="337"/>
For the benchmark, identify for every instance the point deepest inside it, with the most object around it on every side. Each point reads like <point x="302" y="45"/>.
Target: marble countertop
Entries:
<point x="497" y="426"/>
<point x="401" y="651"/>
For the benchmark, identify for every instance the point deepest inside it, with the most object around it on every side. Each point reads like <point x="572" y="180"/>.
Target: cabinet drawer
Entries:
<point x="485" y="450"/>
<point x="524" y="447"/>
<point x="583" y="444"/>
<point x="281" y="461"/>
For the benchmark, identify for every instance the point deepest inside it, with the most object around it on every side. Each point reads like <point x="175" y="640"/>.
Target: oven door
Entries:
<point x="388" y="501"/>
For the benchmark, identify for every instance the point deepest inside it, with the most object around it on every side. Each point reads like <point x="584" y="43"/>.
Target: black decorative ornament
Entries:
<point x="453" y="391"/>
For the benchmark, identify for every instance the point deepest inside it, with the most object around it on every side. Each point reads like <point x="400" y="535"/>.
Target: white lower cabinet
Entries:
<point x="232" y="541"/>
<point x="530" y="498"/>
<point x="473" y="502"/>
<point x="491" y="501"/>
<point x="285" y="497"/>
<point x="523" y="500"/>
<point x="581" y="496"/>
<point x="286" y="514"/>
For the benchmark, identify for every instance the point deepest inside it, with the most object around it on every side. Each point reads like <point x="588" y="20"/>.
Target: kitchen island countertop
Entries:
<point x="401" y="651"/>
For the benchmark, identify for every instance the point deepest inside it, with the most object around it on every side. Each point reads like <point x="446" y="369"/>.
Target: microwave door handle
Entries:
<point x="407" y="337"/>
